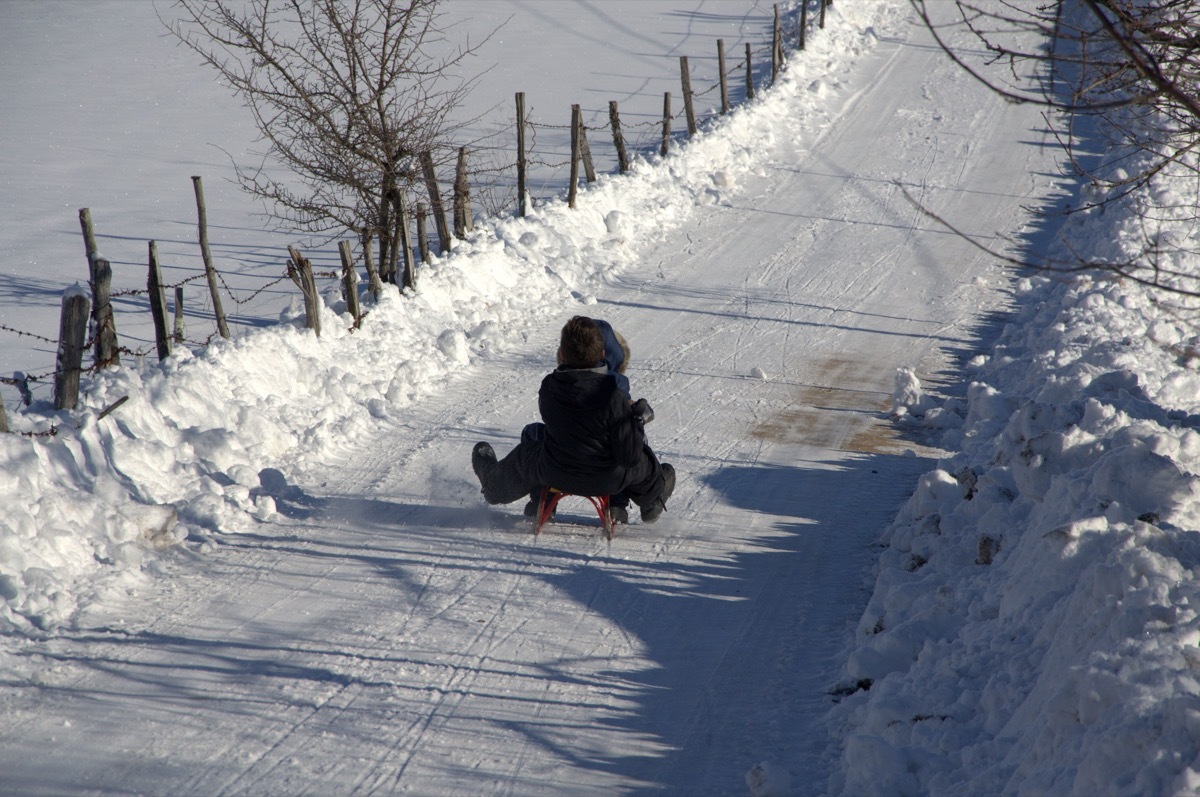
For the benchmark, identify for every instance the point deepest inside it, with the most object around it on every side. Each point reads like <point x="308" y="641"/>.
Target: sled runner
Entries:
<point x="551" y="497"/>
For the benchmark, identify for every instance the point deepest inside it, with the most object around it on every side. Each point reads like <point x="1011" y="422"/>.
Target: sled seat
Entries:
<point x="549" y="501"/>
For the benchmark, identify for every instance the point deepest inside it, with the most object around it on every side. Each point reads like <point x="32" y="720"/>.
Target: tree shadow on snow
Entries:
<point x="748" y="643"/>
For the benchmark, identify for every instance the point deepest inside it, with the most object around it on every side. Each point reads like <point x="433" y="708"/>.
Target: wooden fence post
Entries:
<point x="389" y="261"/>
<point x="3" y="418"/>
<point x="374" y="283"/>
<point x="107" y="351"/>
<point x="387" y="241"/>
<point x="179" y="314"/>
<point x="688" y="105"/>
<point x="404" y="243"/>
<point x="350" y="282"/>
<point x="435" y="201"/>
<point x="368" y="242"/>
<point x="209" y="270"/>
<point x="803" y="21"/>
<point x="300" y="271"/>
<point x="776" y="48"/>
<point x="580" y="149"/>
<point x="585" y="152"/>
<point x="90" y="249"/>
<point x="423" y="233"/>
<point x="89" y="235"/>
<point x="158" y="305"/>
<point x="521" y="205"/>
<point x="666" y="125"/>
<point x="573" y="187"/>
<point x="589" y="171"/>
<point x="100" y="282"/>
<point x="721" y="73"/>
<point x="462" y="197"/>
<point x="749" y="75"/>
<point x="72" y="334"/>
<point x="823" y="5"/>
<point x="614" y="119"/>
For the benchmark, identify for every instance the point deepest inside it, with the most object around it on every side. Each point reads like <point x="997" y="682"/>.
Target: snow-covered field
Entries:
<point x="122" y="125"/>
<point x="270" y="571"/>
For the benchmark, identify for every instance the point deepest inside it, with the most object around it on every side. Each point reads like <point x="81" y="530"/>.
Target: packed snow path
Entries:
<point x="386" y="632"/>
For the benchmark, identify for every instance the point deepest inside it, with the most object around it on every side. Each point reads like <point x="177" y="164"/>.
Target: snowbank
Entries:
<point x="1034" y="624"/>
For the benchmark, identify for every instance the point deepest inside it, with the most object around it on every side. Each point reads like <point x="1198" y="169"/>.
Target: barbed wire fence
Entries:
<point x="498" y="179"/>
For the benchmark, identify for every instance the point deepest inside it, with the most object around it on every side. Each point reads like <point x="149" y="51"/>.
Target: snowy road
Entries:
<point x="388" y="633"/>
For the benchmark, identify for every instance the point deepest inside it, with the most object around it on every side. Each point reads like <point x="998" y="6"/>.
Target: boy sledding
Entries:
<point x="591" y="440"/>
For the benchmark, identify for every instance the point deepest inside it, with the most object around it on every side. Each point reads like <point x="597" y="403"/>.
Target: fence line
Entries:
<point x="298" y="269"/>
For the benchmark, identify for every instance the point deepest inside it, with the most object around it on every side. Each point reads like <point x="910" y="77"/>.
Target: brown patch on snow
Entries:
<point x="846" y="411"/>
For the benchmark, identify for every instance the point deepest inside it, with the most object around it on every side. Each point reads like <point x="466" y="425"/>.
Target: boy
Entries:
<point x="591" y="440"/>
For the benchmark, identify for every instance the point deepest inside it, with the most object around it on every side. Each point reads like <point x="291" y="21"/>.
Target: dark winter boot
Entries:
<point x="483" y="462"/>
<point x="651" y="513"/>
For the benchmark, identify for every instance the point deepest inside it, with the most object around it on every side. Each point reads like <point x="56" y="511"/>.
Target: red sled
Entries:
<point x="551" y="497"/>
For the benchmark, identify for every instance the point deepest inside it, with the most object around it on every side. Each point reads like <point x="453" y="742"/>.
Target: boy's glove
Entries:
<point x="643" y="411"/>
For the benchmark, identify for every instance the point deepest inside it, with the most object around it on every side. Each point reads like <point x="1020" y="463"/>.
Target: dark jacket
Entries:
<point x="594" y="445"/>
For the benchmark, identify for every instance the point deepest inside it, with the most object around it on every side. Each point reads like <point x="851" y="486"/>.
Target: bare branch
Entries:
<point x="345" y="94"/>
<point x="1130" y="68"/>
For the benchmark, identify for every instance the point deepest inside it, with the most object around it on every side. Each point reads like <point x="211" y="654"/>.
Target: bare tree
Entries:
<point x="345" y="93"/>
<point x="1118" y="75"/>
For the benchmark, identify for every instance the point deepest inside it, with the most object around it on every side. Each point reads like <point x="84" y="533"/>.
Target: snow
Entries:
<point x="895" y="564"/>
<point x="1031" y="629"/>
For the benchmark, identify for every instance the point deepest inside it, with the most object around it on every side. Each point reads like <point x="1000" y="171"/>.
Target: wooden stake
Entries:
<point x="179" y="314"/>
<point x="107" y="351"/>
<point x="91" y="250"/>
<point x="688" y="107"/>
<point x="589" y="171"/>
<point x="374" y="283"/>
<point x="435" y="201"/>
<point x="618" y="139"/>
<point x="391" y="270"/>
<point x="585" y="152"/>
<point x="209" y="270"/>
<point x="573" y="186"/>
<point x="158" y="305"/>
<point x="776" y="48"/>
<point x="521" y="208"/>
<point x="803" y="21"/>
<point x="462" y="197"/>
<point x="749" y="75"/>
<point x="300" y="271"/>
<point x="423" y="233"/>
<point x="350" y="282"/>
<point x="666" y="125"/>
<point x="404" y="243"/>
<point x="721" y="73"/>
<point x="89" y="240"/>
<point x="72" y="334"/>
<point x="89" y="235"/>
<point x="109" y="409"/>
